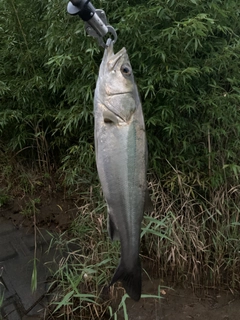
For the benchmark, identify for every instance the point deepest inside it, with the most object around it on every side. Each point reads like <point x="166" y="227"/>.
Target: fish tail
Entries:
<point x="131" y="279"/>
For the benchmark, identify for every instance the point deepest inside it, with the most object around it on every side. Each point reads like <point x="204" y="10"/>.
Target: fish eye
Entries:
<point x="126" y="70"/>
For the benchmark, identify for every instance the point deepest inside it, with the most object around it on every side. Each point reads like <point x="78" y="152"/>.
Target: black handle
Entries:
<point x="86" y="9"/>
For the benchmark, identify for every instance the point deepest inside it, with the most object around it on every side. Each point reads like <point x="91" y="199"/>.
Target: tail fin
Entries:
<point x="131" y="280"/>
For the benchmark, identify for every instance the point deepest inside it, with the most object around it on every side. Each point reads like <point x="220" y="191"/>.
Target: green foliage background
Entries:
<point x="185" y="56"/>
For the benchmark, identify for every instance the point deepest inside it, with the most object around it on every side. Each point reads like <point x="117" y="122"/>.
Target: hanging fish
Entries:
<point x="121" y="157"/>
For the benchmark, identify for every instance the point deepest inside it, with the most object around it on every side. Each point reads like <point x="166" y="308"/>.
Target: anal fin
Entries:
<point x="112" y="229"/>
<point x="148" y="205"/>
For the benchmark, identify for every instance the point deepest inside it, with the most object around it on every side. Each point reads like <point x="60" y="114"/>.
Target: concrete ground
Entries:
<point x="17" y="301"/>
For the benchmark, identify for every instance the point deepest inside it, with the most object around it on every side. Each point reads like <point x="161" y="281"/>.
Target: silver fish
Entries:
<point x="121" y="157"/>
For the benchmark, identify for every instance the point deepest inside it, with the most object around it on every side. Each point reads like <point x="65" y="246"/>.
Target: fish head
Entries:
<point x="116" y="85"/>
<point x="116" y="71"/>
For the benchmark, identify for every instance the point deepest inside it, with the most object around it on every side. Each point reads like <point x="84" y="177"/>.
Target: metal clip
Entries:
<point x="98" y="27"/>
<point x="96" y="24"/>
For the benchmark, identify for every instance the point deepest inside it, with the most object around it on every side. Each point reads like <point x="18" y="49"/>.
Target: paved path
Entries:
<point x="16" y="266"/>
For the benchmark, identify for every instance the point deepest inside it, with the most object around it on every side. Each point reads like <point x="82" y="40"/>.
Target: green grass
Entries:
<point x="187" y="238"/>
<point x="195" y="237"/>
<point x="191" y="236"/>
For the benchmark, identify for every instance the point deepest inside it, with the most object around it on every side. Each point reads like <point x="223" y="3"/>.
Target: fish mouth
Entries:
<point x="110" y="52"/>
<point x="112" y="59"/>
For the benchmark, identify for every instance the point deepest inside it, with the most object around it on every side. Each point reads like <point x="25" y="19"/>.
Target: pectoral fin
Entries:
<point x="109" y="117"/>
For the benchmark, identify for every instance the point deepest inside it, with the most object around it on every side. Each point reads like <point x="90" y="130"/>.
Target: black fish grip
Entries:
<point x="95" y="20"/>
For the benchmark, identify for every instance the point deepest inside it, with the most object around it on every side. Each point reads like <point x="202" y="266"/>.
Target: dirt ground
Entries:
<point x="176" y="303"/>
<point x="184" y="303"/>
